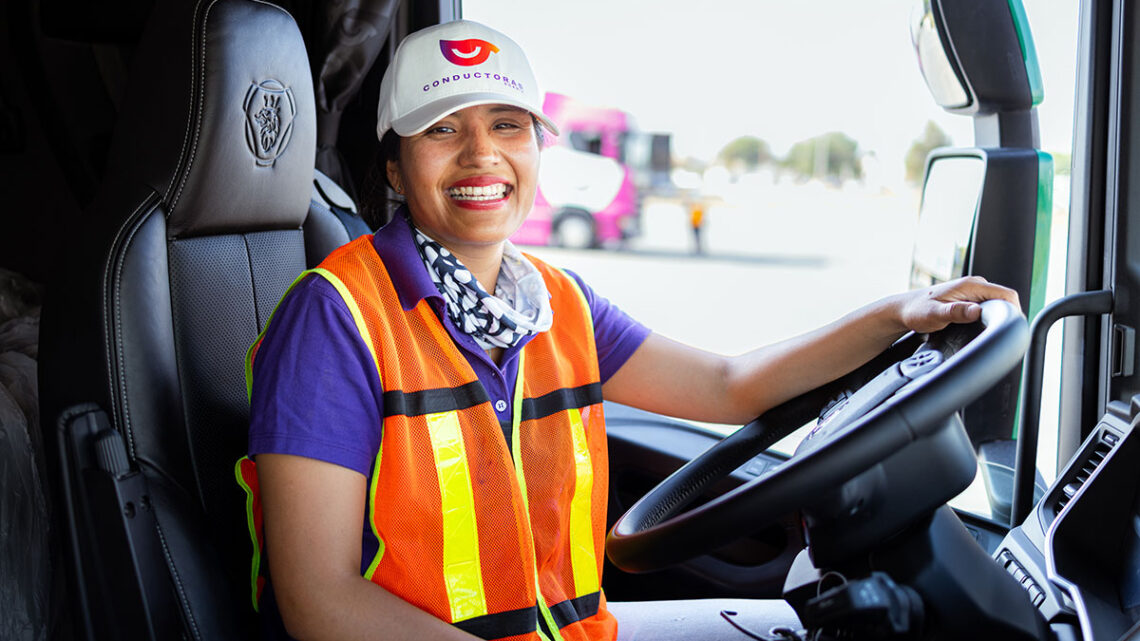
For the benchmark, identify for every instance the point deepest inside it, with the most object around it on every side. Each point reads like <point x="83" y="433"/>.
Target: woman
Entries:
<point x="431" y="457"/>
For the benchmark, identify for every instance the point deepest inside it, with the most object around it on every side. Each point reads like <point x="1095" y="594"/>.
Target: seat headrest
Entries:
<point x="219" y="119"/>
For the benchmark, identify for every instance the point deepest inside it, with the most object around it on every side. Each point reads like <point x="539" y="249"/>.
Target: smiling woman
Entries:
<point x="470" y="181"/>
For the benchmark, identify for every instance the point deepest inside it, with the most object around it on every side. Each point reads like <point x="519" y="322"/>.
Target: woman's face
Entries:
<point x="470" y="178"/>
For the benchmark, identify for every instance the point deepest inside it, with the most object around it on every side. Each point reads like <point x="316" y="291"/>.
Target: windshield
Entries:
<point x="797" y="135"/>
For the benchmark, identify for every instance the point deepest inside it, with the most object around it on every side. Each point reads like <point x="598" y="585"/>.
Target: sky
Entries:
<point x="780" y="70"/>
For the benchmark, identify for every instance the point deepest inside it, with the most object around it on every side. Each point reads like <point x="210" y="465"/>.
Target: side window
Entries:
<point x="774" y="154"/>
<point x="588" y="142"/>
<point x="1055" y="34"/>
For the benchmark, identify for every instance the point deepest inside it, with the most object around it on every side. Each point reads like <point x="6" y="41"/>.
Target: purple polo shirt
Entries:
<point x="315" y="389"/>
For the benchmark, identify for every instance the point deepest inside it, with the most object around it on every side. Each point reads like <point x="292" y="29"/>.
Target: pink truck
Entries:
<point x="593" y="177"/>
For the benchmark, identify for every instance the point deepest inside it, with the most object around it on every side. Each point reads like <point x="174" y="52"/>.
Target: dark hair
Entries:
<point x="539" y="131"/>
<point x="378" y="198"/>
<point x="389" y="151"/>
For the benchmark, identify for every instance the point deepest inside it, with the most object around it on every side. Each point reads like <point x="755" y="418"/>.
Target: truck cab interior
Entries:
<point x="171" y="167"/>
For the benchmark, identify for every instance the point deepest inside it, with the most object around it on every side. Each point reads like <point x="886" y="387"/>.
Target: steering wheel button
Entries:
<point x="920" y="364"/>
<point x="755" y="467"/>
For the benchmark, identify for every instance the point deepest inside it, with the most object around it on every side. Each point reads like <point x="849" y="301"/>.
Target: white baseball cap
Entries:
<point x="444" y="68"/>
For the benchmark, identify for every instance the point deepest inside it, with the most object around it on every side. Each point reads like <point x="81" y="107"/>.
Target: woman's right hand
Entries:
<point x="931" y="309"/>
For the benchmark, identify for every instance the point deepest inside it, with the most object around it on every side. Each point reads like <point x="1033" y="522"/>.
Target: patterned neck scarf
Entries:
<point x="519" y="308"/>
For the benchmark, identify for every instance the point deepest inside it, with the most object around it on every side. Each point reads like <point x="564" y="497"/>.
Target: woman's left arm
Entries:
<point x="671" y="378"/>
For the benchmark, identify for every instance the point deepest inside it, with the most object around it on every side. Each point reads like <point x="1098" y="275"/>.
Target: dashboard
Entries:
<point x="1078" y="552"/>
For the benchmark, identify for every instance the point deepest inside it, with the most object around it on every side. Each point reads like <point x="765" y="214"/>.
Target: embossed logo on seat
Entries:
<point x="269" y="112"/>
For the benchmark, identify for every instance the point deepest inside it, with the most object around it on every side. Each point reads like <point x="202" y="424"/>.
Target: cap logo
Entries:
<point x="269" y="112"/>
<point x="467" y="53"/>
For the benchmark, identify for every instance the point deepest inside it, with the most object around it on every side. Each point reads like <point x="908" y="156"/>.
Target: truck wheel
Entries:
<point x="574" y="229"/>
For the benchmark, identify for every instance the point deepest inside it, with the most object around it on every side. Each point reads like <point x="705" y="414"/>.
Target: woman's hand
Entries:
<point x="933" y="308"/>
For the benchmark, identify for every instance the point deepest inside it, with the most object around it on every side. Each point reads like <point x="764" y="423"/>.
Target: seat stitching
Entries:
<point x="183" y="154"/>
<point x="177" y="579"/>
<point x="196" y="109"/>
<point x="115" y="370"/>
<point x="196" y="116"/>
<point x="270" y="4"/>
<point x="252" y="281"/>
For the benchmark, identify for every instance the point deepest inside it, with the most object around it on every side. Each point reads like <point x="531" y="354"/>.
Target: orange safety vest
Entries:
<point x="504" y="540"/>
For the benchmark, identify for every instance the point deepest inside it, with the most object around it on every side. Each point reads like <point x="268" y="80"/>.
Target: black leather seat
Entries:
<point x="198" y="229"/>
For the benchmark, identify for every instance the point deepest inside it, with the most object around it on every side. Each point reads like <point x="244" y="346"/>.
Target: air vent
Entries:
<point x="1092" y="461"/>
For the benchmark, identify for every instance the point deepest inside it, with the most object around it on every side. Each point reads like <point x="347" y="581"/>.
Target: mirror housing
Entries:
<point x="977" y="56"/>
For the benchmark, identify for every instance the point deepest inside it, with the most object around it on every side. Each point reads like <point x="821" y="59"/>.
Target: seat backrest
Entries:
<point x="333" y="219"/>
<point x="195" y="235"/>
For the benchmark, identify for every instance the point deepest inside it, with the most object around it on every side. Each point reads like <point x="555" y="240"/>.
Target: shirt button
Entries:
<point x="500" y="405"/>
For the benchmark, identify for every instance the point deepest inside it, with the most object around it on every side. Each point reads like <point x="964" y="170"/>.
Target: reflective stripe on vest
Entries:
<point x="586" y="580"/>
<point x="462" y="571"/>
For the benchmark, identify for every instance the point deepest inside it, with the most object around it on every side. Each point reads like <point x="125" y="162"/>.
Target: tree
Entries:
<point x="932" y="137"/>
<point x="744" y="154"/>
<point x="1062" y="162"/>
<point x="832" y="156"/>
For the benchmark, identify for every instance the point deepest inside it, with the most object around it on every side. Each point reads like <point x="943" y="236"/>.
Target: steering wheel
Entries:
<point x="898" y="400"/>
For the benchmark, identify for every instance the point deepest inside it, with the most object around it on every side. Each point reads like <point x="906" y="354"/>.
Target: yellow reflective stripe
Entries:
<point x="462" y="569"/>
<point x="550" y="623"/>
<point x="582" y="550"/>
<point x="354" y="309"/>
<point x="371" y="571"/>
<point x="516" y="419"/>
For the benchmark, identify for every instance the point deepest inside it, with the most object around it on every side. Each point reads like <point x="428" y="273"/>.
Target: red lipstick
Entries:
<point x="473" y="192"/>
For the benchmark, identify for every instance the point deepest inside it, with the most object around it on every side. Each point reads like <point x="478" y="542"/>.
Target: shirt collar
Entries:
<point x="397" y="249"/>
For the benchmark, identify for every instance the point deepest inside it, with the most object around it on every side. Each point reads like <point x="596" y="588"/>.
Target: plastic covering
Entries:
<point x="355" y="33"/>
<point x="25" y="548"/>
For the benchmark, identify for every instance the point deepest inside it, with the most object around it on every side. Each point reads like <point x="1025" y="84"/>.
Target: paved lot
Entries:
<point x="778" y="261"/>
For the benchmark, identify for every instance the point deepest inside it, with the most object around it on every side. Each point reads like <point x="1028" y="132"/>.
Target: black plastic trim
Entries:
<point x="1083" y="304"/>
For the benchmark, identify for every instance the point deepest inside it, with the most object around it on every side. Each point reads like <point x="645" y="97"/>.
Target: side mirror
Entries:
<point x="942" y="77"/>
<point x="950" y="198"/>
<point x="977" y="56"/>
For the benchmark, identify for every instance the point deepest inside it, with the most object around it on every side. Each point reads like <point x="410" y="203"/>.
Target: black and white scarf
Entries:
<point x="519" y="308"/>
